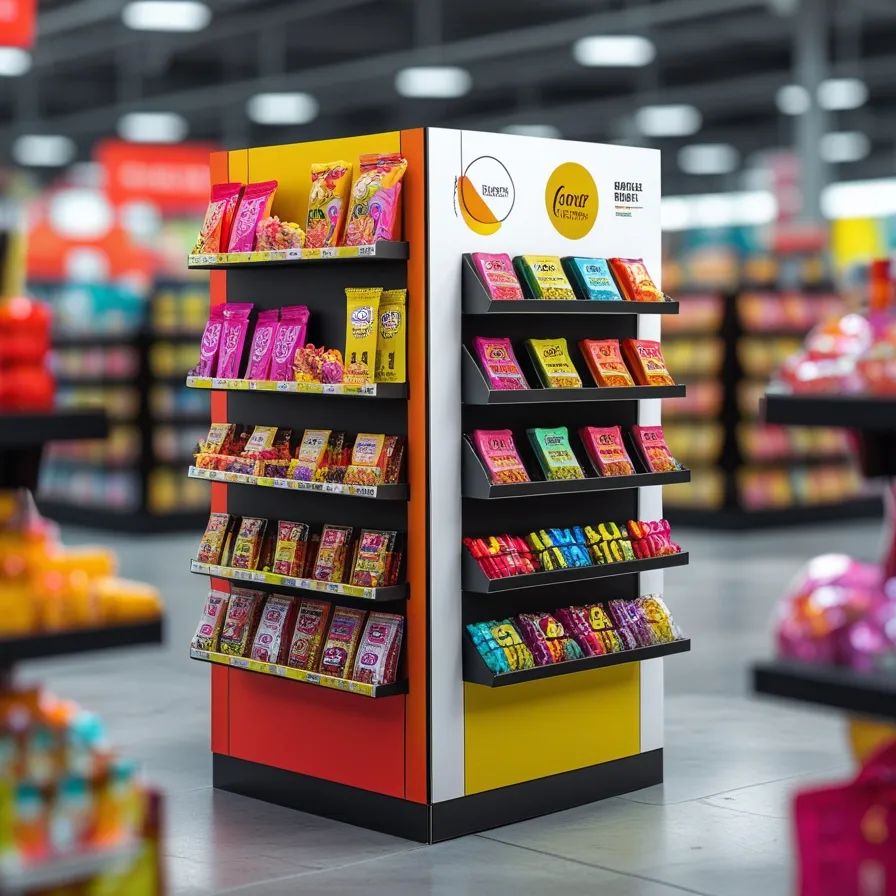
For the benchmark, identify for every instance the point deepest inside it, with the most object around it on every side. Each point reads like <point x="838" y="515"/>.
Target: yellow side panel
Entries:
<point x="238" y="165"/>
<point x="290" y="166"/>
<point x="546" y="727"/>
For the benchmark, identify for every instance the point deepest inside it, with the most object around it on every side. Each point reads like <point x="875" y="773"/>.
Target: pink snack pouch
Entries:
<point x="606" y="448"/>
<point x="233" y="338"/>
<point x="499" y="454"/>
<point x="377" y="658"/>
<point x="384" y="211"/>
<point x="254" y="206"/>
<point x="291" y="333"/>
<point x="215" y="231"/>
<point x="262" y="345"/>
<point x="652" y="447"/>
<point x="211" y="341"/>
<point x="499" y="363"/>
<point x="271" y="644"/>
<point x="498" y="276"/>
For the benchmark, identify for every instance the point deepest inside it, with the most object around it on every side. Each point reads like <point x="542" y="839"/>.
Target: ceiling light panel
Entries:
<point x="152" y="127"/>
<point x="622" y="51"/>
<point x="166" y="15"/>
<point x="433" y="82"/>
<point x="282" y="108"/>
<point x="677" y="120"/>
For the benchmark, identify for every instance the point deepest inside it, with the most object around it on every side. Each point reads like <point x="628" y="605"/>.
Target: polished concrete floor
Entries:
<point x="717" y="827"/>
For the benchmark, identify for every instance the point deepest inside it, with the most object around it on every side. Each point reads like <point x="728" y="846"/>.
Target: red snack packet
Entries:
<point x="342" y="642"/>
<point x="604" y="360"/>
<point x="291" y="333"/>
<point x="213" y="540"/>
<point x="262" y="345"/>
<point x="654" y="450"/>
<point x="233" y="338"/>
<point x="606" y="449"/>
<point x="240" y="621"/>
<point x="645" y="358"/>
<point x="215" y="231"/>
<point x="308" y="638"/>
<point x="254" y="206"/>
<point x="271" y="642"/>
<point x="211" y="342"/>
<point x="634" y="281"/>
<point x="376" y="661"/>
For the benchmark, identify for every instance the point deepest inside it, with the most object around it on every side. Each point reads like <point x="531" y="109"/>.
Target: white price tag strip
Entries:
<point x="333" y="488"/>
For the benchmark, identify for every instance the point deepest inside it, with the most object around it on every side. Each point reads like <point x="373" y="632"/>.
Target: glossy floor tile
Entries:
<point x="718" y="826"/>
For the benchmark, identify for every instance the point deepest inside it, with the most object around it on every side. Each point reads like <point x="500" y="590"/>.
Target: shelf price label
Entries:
<point x="239" y="662"/>
<point x="283" y="387"/>
<point x="329" y="252"/>
<point x="312" y="678"/>
<point x="365" y="251"/>
<point x="289" y="582"/>
<point x="364" y="491"/>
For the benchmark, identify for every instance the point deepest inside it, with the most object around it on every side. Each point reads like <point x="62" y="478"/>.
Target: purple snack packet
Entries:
<point x="499" y="363"/>
<point x="211" y="340"/>
<point x="233" y="338"/>
<point x="262" y="345"/>
<point x="291" y="333"/>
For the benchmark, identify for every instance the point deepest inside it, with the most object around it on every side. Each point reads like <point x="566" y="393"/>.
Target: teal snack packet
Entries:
<point x="592" y="278"/>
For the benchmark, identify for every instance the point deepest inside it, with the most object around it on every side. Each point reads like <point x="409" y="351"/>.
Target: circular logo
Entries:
<point x="570" y="199"/>
<point x="485" y="195"/>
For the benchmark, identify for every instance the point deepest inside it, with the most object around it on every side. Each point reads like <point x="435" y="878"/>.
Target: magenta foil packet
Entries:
<point x="233" y="338"/>
<point x="211" y="340"/>
<point x="262" y="345"/>
<point x="384" y="211"/>
<point x="499" y="363"/>
<point x="291" y="333"/>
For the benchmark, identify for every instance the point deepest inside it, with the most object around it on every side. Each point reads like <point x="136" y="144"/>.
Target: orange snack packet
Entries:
<point x="215" y="231"/>
<point x="634" y="280"/>
<point x="331" y="183"/>
<point x="645" y="358"/>
<point x="604" y="360"/>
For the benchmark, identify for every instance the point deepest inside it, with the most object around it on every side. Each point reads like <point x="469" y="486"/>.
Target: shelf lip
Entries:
<point x="79" y="640"/>
<point x="836" y="687"/>
<point x="382" y="250"/>
<point x="361" y="689"/>
<point x="396" y="492"/>
<point x="32" y="428"/>
<point x="477" y="672"/>
<point x="369" y="390"/>
<point x="475" y="580"/>
<point x="296" y="583"/>
<point x="67" y="869"/>
<point x="842" y="411"/>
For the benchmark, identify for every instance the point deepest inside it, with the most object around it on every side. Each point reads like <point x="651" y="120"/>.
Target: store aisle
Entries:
<point x="718" y="827"/>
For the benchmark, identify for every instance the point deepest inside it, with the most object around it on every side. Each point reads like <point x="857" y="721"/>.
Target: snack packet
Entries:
<point x="555" y="454"/>
<point x="318" y="365"/>
<point x="342" y="642"/>
<point x="499" y="455"/>
<point x="376" y="661"/>
<point x="602" y="625"/>
<point x="635" y="283"/>
<point x="211" y="341"/>
<point x="593" y="278"/>
<point x="547" y="639"/>
<point x="361" y="327"/>
<point x="575" y="621"/>
<point x="215" y="231"/>
<point x="659" y="619"/>
<point x="604" y="360"/>
<point x="247" y="544"/>
<point x="274" y="235"/>
<point x="653" y="449"/>
<point x="543" y="277"/>
<point x="310" y="454"/>
<point x="213" y="539"/>
<point x="271" y="642"/>
<point x="391" y="347"/>
<point x="499" y="363"/>
<point x="209" y="628"/>
<point x="497" y="276"/>
<point x="606" y="449"/>
<point x="233" y="339"/>
<point x="289" y="552"/>
<point x="240" y="622"/>
<point x="369" y="569"/>
<point x="393" y="449"/>
<point x="262" y="345"/>
<point x="645" y="358"/>
<point x="308" y="638"/>
<point x="329" y="565"/>
<point x="291" y="333"/>
<point x="255" y="205"/>
<point x="553" y="363"/>
<point x="219" y="437"/>
<point x="331" y="183"/>
<point x="375" y="194"/>
<point x="366" y="467"/>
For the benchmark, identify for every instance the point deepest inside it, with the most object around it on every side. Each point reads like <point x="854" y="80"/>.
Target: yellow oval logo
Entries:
<point x="571" y="201"/>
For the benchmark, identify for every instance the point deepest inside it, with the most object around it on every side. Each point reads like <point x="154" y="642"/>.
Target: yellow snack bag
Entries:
<point x="331" y="183"/>
<point x="543" y="277"/>
<point x="361" y="319"/>
<point x="391" y="340"/>
<point x="553" y="363"/>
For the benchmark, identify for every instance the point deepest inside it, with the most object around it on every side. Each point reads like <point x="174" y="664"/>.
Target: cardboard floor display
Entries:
<point x="447" y="756"/>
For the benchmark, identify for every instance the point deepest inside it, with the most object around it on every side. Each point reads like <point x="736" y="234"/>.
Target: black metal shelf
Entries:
<point x="477" y="672"/>
<point x="33" y="428"/>
<point x="476" y="581"/>
<point x="862" y="693"/>
<point x="843" y="411"/>
<point x="382" y="250"/>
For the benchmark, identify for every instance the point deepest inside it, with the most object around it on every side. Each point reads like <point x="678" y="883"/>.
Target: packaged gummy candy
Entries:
<point x="593" y="278"/>
<point x="604" y="360"/>
<point x="547" y="639"/>
<point x="308" y="637"/>
<point x="635" y="283"/>
<point x="645" y="359"/>
<point x="331" y="183"/>
<point x="553" y="363"/>
<point x="342" y="642"/>
<point x="606" y="449"/>
<point x="496" y="449"/>
<point x="555" y="454"/>
<point x="215" y="231"/>
<point x="497" y="276"/>
<point x="255" y="206"/>
<point x="499" y="363"/>
<point x="653" y="449"/>
<point x="376" y="661"/>
<point x="543" y="277"/>
<point x="375" y="199"/>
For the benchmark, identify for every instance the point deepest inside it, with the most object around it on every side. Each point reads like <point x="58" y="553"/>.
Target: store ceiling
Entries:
<point x="726" y="57"/>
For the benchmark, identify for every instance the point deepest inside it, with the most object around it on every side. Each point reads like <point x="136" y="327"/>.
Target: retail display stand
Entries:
<point x="447" y="751"/>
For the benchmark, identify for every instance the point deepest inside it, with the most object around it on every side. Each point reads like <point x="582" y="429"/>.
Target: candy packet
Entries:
<point x="291" y="333"/>
<point x="254" y="206"/>
<point x="393" y="449"/>
<point x="606" y="449"/>
<point x="659" y="618"/>
<point x="375" y="199"/>
<point x="555" y="454"/>
<point x="634" y="281"/>
<point x="289" y="552"/>
<point x="543" y="277"/>
<point x="215" y="231"/>
<point x="499" y="363"/>
<point x="376" y="661"/>
<point x="369" y="568"/>
<point x="575" y="621"/>
<point x="308" y="637"/>
<point x="602" y="625"/>
<point x="342" y="642"/>
<point x="391" y="349"/>
<point x="329" y="565"/>
<point x="361" y="328"/>
<point x="211" y="342"/>
<point x="604" y="360"/>
<point x="652" y="447"/>
<point x="247" y="543"/>
<point x="271" y="642"/>
<point x="498" y="453"/>
<point x="213" y="540"/>
<point x="645" y="358"/>
<point x="310" y="454"/>
<point x="553" y="363"/>
<point x="547" y="639"/>
<point x="219" y="438"/>
<point x="211" y="621"/>
<point x="331" y="183"/>
<point x="593" y="278"/>
<point x="501" y="638"/>
<point x="233" y="339"/>
<point x="497" y="276"/>
<point x="262" y="345"/>
<point x="318" y="365"/>
<point x="240" y="622"/>
<point x="366" y="467"/>
<point x="274" y="235"/>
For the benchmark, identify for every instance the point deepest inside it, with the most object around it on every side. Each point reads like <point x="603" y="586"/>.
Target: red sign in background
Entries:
<point x="17" y="23"/>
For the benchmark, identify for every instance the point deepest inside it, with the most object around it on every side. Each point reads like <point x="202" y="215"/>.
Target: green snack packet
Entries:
<point x="555" y="454"/>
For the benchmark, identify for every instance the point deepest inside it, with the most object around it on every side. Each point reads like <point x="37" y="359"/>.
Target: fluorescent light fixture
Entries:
<point x="441" y="82"/>
<point x="623" y="51"/>
<point x="752" y="208"/>
<point x="282" y="108"/>
<point x="14" y="62"/>
<point x="166" y="15"/>
<point x="676" y="120"/>
<point x="838" y="94"/>
<point x="860" y="199"/>
<point x="152" y="127"/>
<point x="793" y="99"/>
<point x="43" y="150"/>
<point x="708" y="158"/>
<point x="844" y="146"/>
<point x="533" y="130"/>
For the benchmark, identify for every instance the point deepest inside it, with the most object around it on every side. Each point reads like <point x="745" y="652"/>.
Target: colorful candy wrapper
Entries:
<point x="211" y="343"/>
<point x="274" y="235"/>
<point x="652" y="447"/>
<point x="219" y="435"/>
<point x="213" y="539"/>
<point x="240" y="622"/>
<point x="547" y="639"/>
<point x="555" y="454"/>
<point x="606" y="449"/>
<point x="289" y="553"/>
<point x="215" y="231"/>
<point x="630" y="621"/>
<point x="262" y="345"/>
<point x="635" y="283"/>
<point x="543" y="278"/>
<point x="499" y="363"/>
<point x="342" y="642"/>
<point x="247" y="544"/>
<point x="376" y="661"/>
<point x="499" y="455"/>
<point x="369" y="568"/>
<point x="361" y="328"/>
<point x="604" y="360"/>
<point x="494" y="656"/>
<point x="391" y="347"/>
<point x="645" y="359"/>
<point x="329" y="565"/>
<point x="255" y="206"/>
<point x="553" y="363"/>
<point x="366" y="467"/>
<point x="233" y="339"/>
<point x="507" y="638"/>
<point x="271" y="642"/>
<point x="659" y="618"/>
<point x="375" y="199"/>
<point x="575" y="621"/>
<point x="602" y="625"/>
<point x="291" y="333"/>
<point x="593" y="278"/>
<point x="211" y="621"/>
<point x="497" y="276"/>
<point x="393" y="449"/>
<point x="311" y="453"/>
<point x="331" y="183"/>
<point x="312" y="622"/>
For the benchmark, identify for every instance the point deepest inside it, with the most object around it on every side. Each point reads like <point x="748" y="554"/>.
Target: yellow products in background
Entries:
<point x="361" y="326"/>
<point x="706" y="490"/>
<point x="391" y="345"/>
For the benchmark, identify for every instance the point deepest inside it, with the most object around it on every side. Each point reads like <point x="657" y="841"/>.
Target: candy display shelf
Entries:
<point x="371" y="390"/>
<point x="27" y="429"/>
<point x="384" y="250"/>
<point x="846" y="411"/>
